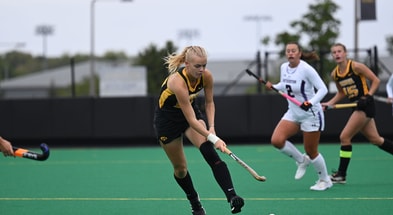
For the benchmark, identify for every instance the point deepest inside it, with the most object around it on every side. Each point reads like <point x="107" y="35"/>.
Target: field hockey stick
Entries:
<point x="351" y="105"/>
<point x="341" y="106"/>
<point x="296" y="102"/>
<point x="383" y="99"/>
<point x="243" y="164"/>
<point x="24" y="153"/>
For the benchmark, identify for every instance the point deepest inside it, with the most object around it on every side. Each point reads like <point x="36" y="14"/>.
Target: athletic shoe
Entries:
<point x="196" y="207"/>
<point x="302" y="167"/>
<point x="322" y="185"/>
<point x="337" y="178"/>
<point x="237" y="203"/>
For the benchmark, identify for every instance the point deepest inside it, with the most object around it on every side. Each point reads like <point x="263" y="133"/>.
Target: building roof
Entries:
<point x="62" y="76"/>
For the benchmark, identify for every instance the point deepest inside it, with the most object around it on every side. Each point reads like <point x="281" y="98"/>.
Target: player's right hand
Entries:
<point x="220" y="145"/>
<point x="268" y="85"/>
<point x="306" y="105"/>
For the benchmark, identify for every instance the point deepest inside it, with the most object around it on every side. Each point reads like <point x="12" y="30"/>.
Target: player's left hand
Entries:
<point x="364" y="101"/>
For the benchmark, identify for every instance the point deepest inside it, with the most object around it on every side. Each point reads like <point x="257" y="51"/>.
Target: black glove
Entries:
<point x="306" y="105"/>
<point x="364" y="101"/>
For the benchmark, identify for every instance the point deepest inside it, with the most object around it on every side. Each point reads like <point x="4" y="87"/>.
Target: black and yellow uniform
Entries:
<point x="353" y="83"/>
<point x="169" y="120"/>
<point x="354" y="86"/>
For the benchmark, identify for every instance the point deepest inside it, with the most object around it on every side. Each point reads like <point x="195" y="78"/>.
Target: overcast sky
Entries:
<point x="218" y="25"/>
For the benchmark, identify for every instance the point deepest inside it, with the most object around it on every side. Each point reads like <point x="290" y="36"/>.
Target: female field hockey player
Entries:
<point x="177" y="115"/>
<point x="6" y="147"/>
<point x="389" y="90"/>
<point x="351" y="80"/>
<point x="298" y="79"/>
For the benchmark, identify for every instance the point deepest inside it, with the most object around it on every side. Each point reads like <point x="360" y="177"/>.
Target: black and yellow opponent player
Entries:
<point x="177" y="114"/>
<point x="351" y="79"/>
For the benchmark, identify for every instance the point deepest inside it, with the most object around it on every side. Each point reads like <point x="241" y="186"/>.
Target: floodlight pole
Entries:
<point x="44" y="30"/>
<point x="258" y="20"/>
<point x="356" y="30"/>
<point x="92" y="89"/>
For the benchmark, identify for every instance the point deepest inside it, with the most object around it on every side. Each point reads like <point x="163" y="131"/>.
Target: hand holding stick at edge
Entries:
<point x="6" y="147"/>
<point x="25" y="153"/>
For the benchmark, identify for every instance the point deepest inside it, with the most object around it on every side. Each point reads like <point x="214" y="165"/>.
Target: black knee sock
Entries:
<point x="187" y="186"/>
<point x="345" y="157"/>
<point x="387" y="146"/>
<point x="219" y="168"/>
<point x="223" y="178"/>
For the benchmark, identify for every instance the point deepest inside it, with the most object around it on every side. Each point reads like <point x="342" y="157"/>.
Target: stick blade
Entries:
<point x="45" y="152"/>
<point x="25" y="153"/>
<point x="247" y="167"/>
<point x="260" y="178"/>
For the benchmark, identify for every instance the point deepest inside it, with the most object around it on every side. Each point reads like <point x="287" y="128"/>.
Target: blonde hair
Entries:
<point x="174" y="61"/>
<point x="340" y="44"/>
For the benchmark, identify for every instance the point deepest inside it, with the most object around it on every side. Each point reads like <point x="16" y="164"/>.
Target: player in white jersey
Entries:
<point x="389" y="90"/>
<point x="300" y="80"/>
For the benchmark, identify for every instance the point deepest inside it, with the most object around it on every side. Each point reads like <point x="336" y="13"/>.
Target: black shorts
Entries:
<point x="167" y="129"/>
<point x="369" y="109"/>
